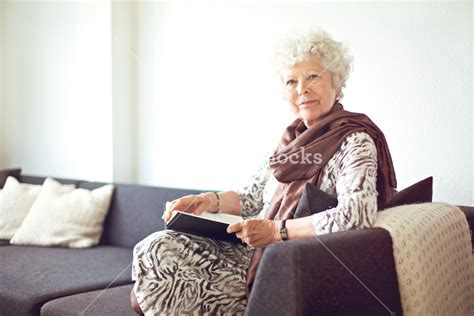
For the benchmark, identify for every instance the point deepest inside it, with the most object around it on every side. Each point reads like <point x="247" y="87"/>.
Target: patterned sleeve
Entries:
<point x="355" y="178"/>
<point x="251" y="196"/>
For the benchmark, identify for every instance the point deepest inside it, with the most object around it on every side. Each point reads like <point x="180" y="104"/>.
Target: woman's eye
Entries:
<point x="313" y="77"/>
<point x="290" y="82"/>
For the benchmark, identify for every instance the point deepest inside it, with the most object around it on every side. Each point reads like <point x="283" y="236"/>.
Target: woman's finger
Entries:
<point x="167" y="207"/>
<point x="185" y="204"/>
<point x="235" y="227"/>
<point x="167" y="215"/>
<point x="171" y="206"/>
<point x="243" y="238"/>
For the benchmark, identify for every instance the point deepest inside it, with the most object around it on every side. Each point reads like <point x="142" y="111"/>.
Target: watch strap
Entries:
<point x="283" y="230"/>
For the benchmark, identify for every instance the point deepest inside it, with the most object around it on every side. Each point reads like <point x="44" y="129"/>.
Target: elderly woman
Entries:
<point x="343" y="153"/>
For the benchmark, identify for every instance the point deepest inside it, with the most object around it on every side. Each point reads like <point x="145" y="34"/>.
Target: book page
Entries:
<point x="222" y="217"/>
<point x="219" y="217"/>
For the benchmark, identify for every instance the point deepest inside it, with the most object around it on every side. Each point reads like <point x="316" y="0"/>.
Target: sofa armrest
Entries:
<point x="302" y="277"/>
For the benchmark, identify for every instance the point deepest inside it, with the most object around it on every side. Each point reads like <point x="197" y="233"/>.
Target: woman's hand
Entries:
<point x="193" y="204"/>
<point x="256" y="233"/>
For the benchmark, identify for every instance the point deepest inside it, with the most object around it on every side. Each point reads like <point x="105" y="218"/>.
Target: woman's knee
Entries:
<point x="152" y="240"/>
<point x="133" y="300"/>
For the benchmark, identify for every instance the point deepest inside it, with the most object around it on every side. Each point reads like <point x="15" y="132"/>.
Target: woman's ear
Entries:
<point x="338" y="93"/>
<point x="338" y="87"/>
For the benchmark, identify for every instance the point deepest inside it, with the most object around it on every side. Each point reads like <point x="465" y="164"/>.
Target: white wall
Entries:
<point x="208" y="107"/>
<point x="204" y="90"/>
<point x="124" y="81"/>
<point x="195" y="101"/>
<point x="57" y="89"/>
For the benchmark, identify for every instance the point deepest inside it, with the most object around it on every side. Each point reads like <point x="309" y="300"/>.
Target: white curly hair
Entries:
<point x="315" y="43"/>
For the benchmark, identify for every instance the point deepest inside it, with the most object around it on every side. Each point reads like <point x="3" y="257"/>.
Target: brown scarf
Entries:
<point x="318" y="144"/>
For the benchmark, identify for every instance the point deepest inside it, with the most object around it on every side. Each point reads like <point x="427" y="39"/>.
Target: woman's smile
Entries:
<point x="309" y="103"/>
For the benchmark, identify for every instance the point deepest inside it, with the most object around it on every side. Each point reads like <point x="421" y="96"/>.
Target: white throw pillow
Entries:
<point x="65" y="216"/>
<point x="16" y="200"/>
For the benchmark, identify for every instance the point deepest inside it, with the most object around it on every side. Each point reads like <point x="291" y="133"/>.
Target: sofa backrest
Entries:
<point x="40" y="180"/>
<point x="135" y="210"/>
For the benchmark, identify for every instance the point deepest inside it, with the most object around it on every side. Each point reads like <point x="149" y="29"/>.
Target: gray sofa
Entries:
<point x="294" y="278"/>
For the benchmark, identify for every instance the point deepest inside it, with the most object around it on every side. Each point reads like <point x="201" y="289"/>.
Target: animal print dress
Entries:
<point x="181" y="274"/>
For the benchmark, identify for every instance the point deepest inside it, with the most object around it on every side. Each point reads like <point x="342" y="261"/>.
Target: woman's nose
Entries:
<point x="301" y="88"/>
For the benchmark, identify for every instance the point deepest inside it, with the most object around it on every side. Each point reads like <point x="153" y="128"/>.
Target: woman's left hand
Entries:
<point x="256" y="233"/>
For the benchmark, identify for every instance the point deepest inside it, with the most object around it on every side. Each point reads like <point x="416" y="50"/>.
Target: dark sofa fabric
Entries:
<point x="5" y="173"/>
<point x="135" y="212"/>
<point x="306" y="279"/>
<point x="31" y="276"/>
<point x="469" y="212"/>
<point x="114" y="301"/>
<point x="4" y="242"/>
<point x="40" y="180"/>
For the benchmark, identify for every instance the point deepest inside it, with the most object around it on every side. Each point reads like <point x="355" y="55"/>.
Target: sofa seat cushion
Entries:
<point x="31" y="276"/>
<point x="113" y="301"/>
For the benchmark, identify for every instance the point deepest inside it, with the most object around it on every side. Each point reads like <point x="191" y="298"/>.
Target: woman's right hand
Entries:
<point x="193" y="204"/>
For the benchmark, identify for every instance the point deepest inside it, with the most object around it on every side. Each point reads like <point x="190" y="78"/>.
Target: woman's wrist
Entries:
<point x="214" y="201"/>
<point x="276" y="230"/>
<point x="300" y="228"/>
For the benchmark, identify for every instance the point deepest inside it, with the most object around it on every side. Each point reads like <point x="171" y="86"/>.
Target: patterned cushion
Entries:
<point x="313" y="201"/>
<point x="5" y="173"/>
<point x="65" y="216"/>
<point x="420" y="192"/>
<point x="16" y="200"/>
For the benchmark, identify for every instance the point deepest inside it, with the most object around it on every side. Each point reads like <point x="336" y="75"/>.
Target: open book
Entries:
<point x="207" y="225"/>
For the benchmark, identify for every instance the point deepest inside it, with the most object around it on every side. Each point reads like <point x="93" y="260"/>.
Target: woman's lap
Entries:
<point x="182" y="273"/>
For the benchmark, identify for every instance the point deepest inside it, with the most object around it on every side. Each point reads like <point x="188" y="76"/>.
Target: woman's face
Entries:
<point x="308" y="89"/>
